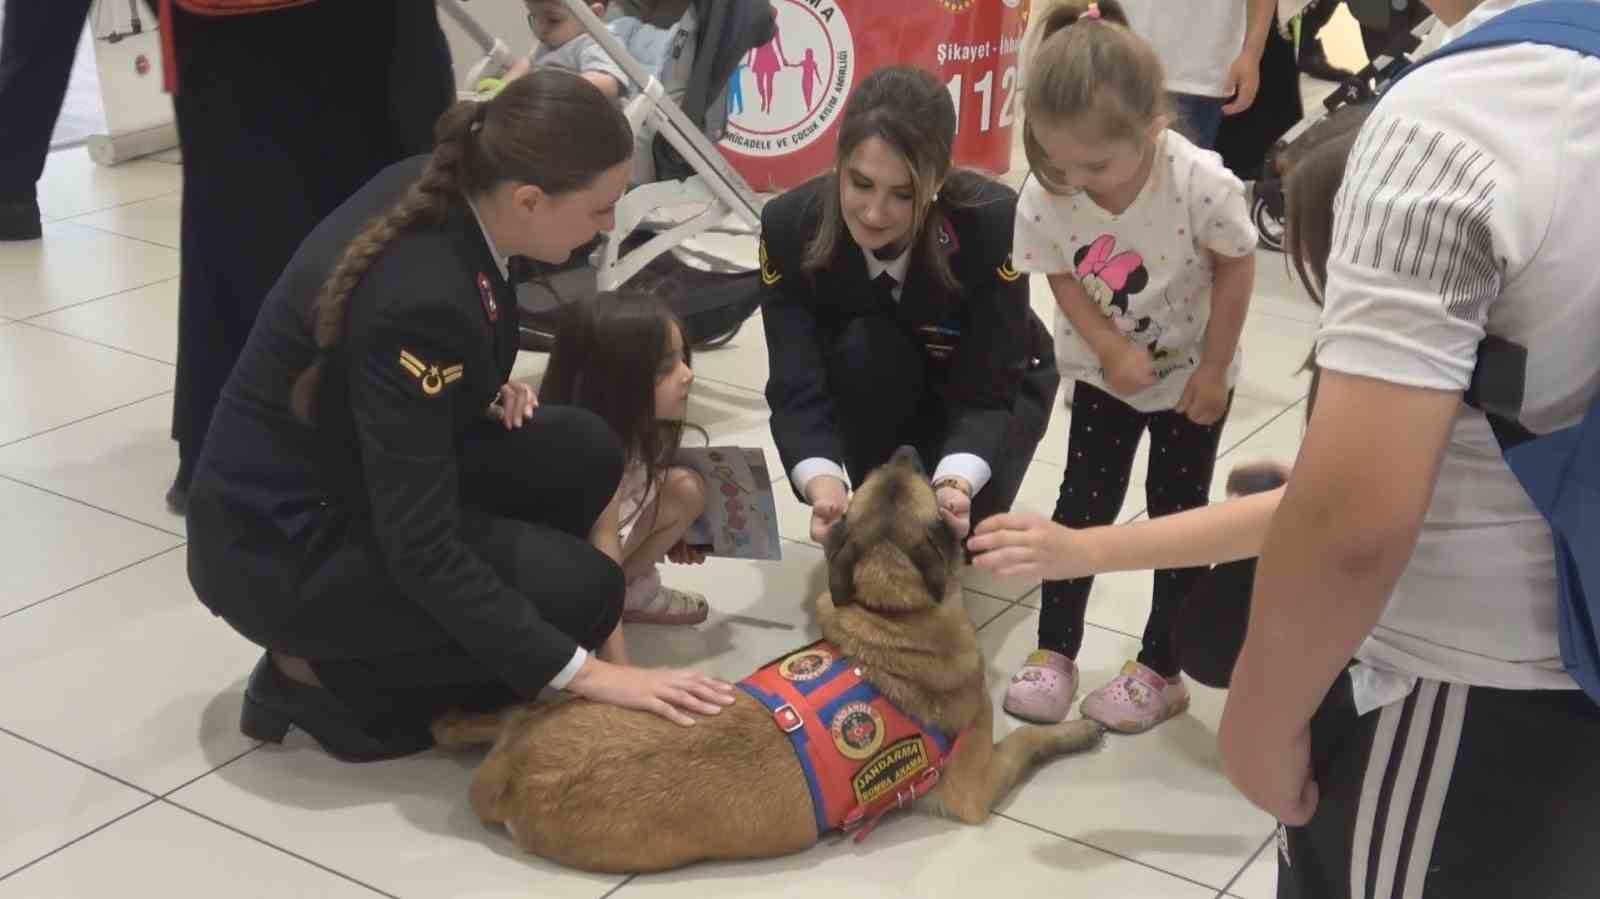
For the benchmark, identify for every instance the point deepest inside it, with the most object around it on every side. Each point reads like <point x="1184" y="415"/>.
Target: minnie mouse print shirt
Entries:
<point x="1148" y="269"/>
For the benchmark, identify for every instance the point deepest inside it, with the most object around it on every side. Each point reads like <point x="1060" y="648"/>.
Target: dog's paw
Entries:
<point x="1077" y="735"/>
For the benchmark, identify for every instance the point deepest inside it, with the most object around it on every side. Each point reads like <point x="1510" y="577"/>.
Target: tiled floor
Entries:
<point x="121" y="765"/>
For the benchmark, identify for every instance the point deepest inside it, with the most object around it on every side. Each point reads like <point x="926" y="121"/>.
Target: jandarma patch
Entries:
<point x="888" y="769"/>
<point x="431" y="379"/>
<point x="858" y="730"/>
<point x="806" y="665"/>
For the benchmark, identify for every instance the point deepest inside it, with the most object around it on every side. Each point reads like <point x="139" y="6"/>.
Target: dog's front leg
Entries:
<point x="984" y="772"/>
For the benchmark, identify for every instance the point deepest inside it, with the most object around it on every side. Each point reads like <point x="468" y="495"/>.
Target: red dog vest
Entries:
<point x="862" y="756"/>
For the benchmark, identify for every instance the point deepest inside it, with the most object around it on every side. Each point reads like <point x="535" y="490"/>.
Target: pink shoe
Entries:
<point x="1136" y="700"/>
<point x="1042" y="690"/>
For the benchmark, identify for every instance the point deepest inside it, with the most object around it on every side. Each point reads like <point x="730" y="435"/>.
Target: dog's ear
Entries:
<point x="841" y="556"/>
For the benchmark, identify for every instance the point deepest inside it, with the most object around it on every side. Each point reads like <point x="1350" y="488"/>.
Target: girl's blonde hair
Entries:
<point x="1088" y="68"/>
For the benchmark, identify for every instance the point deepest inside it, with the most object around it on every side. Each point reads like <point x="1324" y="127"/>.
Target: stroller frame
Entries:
<point x="1268" y="206"/>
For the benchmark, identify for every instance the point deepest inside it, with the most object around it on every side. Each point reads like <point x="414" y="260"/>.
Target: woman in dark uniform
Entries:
<point x="377" y="506"/>
<point x="894" y="316"/>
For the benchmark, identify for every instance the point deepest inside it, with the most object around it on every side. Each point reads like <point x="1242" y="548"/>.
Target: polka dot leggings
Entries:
<point x="1105" y="436"/>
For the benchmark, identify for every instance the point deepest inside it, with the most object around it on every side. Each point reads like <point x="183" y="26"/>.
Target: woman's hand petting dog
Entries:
<point x="1029" y="546"/>
<point x="668" y="693"/>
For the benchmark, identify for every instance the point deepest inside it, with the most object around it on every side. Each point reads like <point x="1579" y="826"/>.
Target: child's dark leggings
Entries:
<point x="1105" y="435"/>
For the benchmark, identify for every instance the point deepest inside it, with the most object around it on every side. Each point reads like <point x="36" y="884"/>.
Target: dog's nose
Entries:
<point x="907" y="455"/>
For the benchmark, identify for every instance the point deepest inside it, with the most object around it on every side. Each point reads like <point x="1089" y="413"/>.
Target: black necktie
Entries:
<point x="884" y="286"/>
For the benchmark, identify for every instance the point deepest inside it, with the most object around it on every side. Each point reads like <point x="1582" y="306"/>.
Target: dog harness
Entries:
<point x="861" y="755"/>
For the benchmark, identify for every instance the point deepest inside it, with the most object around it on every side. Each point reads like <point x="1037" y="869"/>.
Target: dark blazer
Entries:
<point x="430" y="336"/>
<point x="976" y="343"/>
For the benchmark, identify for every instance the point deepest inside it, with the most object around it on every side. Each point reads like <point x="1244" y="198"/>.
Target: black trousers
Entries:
<point x="1105" y="436"/>
<point x="878" y="378"/>
<point x="282" y="116"/>
<point x="529" y="499"/>
<point x="37" y="49"/>
<point x="1454" y="793"/>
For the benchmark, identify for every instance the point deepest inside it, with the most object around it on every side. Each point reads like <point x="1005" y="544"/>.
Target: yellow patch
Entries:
<point x="431" y="378"/>
<point x="889" y="769"/>
<point x="1008" y="272"/>
<point x="769" y="275"/>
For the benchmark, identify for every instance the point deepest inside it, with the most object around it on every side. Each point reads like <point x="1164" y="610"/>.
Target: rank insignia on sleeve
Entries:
<point x="769" y="274"/>
<point x="430" y="378"/>
<point x="1007" y="271"/>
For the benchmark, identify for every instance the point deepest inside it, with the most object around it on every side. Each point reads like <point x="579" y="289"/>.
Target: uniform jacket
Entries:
<point x="430" y="335"/>
<point x="976" y="343"/>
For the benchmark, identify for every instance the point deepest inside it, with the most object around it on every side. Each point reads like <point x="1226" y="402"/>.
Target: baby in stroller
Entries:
<point x="564" y="44"/>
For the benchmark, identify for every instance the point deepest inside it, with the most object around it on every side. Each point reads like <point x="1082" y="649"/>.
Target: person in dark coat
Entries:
<point x="281" y="115"/>
<point x="894" y="315"/>
<point x="378" y="506"/>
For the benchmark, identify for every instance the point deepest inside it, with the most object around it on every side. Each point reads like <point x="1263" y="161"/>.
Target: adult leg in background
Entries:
<point x="37" y="48"/>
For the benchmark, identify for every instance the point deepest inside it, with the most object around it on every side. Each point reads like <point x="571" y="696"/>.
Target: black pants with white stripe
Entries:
<point x="1455" y="793"/>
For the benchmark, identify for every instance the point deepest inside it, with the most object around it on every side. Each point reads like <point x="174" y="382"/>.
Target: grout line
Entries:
<point x="73" y="499"/>
<point x="73" y="218"/>
<point x="80" y="838"/>
<point x="270" y="845"/>
<point x="1125" y="858"/>
<point x="64" y="757"/>
<point x="136" y="239"/>
<point x="59" y="594"/>
<point x="105" y="296"/>
<point x="85" y="418"/>
<point x="614" y="890"/>
<point x="125" y="350"/>
<point x="1246" y="866"/>
<point x="193" y="780"/>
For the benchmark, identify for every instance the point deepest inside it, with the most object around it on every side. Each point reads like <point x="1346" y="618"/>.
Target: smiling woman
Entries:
<point x="894" y="314"/>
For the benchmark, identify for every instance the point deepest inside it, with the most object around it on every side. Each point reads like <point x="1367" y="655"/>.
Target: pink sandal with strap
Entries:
<point x="1042" y="690"/>
<point x="1136" y="700"/>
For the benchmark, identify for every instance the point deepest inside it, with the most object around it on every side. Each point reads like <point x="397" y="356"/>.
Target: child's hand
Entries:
<point x="1206" y="396"/>
<point x="683" y="554"/>
<point x="513" y="404"/>
<point x="1029" y="546"/>
<point x="1130" y="369"/>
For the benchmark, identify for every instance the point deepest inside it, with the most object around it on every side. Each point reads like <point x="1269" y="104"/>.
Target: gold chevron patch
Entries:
<point x="430" y="378"/>
<point x="769" y="275"/>
<point x="1007" y="271"/>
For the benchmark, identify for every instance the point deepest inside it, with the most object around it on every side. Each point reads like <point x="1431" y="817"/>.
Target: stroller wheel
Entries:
<point x="1269" y="226"/>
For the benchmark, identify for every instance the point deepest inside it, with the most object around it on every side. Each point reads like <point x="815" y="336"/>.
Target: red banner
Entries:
<point x="785" y="100"/>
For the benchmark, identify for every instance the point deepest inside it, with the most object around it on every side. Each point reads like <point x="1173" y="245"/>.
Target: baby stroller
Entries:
<point x="683" y="197"/>
<point x="1267" y="208"/>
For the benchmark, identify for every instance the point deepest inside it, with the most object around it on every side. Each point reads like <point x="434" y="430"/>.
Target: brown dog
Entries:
<point x="609" y="789"/>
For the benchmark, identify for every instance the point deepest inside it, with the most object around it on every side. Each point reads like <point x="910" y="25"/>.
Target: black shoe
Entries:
<point x="273" y="702"/>
<point x="178" y="501"/>
<point x="1314" y="62"/>
<point x="19" y="220"/>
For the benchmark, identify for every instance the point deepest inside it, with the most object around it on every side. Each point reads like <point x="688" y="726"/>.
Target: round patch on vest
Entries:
<point x="805" y="665"/>
<point x="857" y="730"/>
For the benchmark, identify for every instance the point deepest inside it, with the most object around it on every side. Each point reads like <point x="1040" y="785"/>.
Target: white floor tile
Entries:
<point x="916" y="855"/>
<point x="742" y="362"/>
<point x="48" y="380"/>
<point x="1275" y="351"/>
<point x="74" y="185"/>
<point x="166" y="851"/>
<point x="73" y="264"/>
<point x="403" y="827"/>
<point x="1279" y="291"/>
<point x="1158" y="798"/>
<point x="142" y="321"/>
<point x="1259" y="880"/>
<point x="159" y="705"/>
<point x="156" y="220"/>
<point x="122" y="461"/>
<point x="50" y="802"/>
<point x="54" y="544"/>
